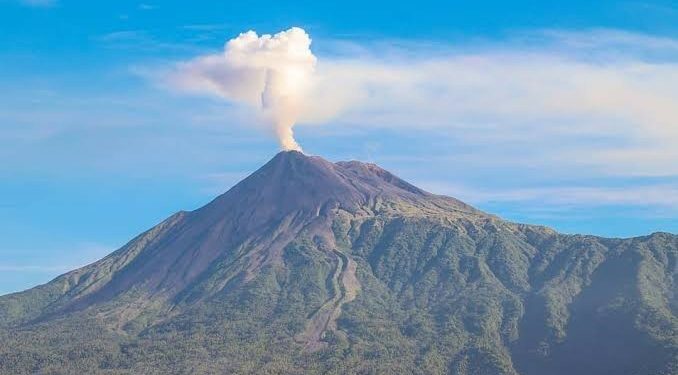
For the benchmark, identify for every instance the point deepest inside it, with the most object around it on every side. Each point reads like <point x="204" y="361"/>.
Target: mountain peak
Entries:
<point x="293" y="182"/>
<point x="367" y="178"/>
<point x="259" y="216"/>
<point x="293" y="157"/>
<point x="306" y="254"/>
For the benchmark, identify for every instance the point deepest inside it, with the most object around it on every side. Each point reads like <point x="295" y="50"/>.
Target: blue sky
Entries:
<point x="555" y="113"/>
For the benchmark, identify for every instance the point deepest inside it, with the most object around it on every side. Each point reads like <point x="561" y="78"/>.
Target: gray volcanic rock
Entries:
<point x="308" y="266"/>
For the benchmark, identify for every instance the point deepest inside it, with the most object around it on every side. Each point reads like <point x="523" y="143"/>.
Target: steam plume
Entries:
<point x="272" y="73"/>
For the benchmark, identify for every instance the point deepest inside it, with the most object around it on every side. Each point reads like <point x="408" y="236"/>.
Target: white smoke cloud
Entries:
<point x="608" y="95"/>
<point x="270" y="73"/>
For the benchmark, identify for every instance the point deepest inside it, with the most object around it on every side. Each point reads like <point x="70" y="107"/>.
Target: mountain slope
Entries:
<point x="311" y="266"/>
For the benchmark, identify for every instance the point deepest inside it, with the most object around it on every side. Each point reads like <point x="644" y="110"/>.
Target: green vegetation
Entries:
<point x="467" y="298"/>
<point x="352" y="271"/>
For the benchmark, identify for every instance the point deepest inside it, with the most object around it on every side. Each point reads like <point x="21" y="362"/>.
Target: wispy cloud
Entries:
<point x="661" y="196"/>
<point x="57" y="261"/>
<point x="606" y="94"/>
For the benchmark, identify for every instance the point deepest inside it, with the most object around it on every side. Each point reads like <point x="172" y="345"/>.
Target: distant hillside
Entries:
<point x="308" y="266"/>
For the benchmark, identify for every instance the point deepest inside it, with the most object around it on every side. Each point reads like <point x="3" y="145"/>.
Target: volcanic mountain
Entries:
<point x="308" y="266"/>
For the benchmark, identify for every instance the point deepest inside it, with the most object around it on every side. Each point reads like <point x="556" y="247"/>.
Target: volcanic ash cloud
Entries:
<point x="271" y="73"/>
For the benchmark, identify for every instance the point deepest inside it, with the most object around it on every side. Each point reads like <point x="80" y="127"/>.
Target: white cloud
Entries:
<point x="605" y="99"/>
<point x="663" y="196"/>
<point x="270" y="73"/>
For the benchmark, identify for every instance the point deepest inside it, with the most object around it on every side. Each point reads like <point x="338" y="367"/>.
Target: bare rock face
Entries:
<point x="308" y="266"/>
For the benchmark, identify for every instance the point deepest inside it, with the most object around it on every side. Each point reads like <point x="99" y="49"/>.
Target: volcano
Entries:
<point x="308" y="266"/>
